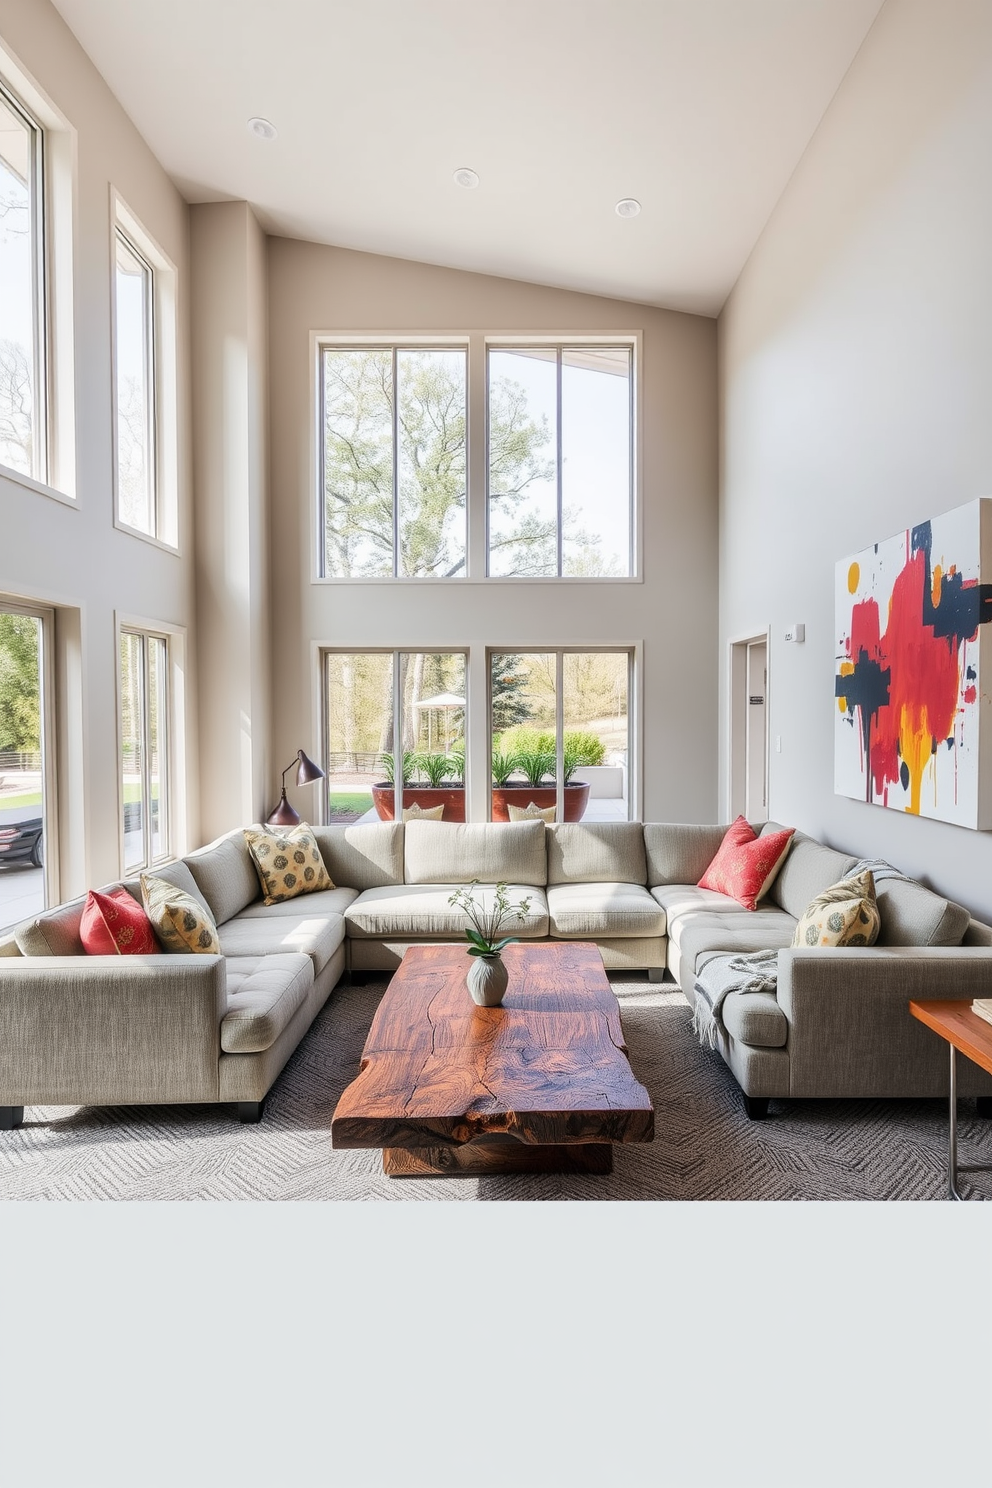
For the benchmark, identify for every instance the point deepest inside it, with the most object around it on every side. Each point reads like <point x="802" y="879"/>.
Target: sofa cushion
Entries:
<point x="54" y="933"/>
<point x="423" y="910"/>
<point x="288" y="864"/>
<point x="755" y="1018"/>
<point x="363" y="855"/>
<point x="180" y="921"/>
<point x="748" y="930"/>
<point x="846" y="914"/>
<point x="225" y="875"/>
<point x="914" y="915"/>
<point x="324" y="902"/>
<point x="176" y="874"/>
<point x="263" y="993"/>
<point x="112" y="924"/>
<point x="531" y="812"/>
<point x="596" y="852"/>
<point x="315" y="935"/>
<point x="679" y="853"/>
<point x="678" y="900"/>
<point x="620" y="910"/>
<point x="493" y="852"/>
<point x="808" y="869"/>
<point x="745" y="864"/>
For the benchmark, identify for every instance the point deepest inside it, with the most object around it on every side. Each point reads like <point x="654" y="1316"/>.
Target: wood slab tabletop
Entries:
<point x="548" y="1068"/>
<point x="956" y="1022"/>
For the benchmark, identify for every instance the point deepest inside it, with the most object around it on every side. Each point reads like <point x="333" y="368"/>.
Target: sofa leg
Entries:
<point x="250" y="1111"/>
<point x="756" y="1107"/>
<point x="656" y="973"/>
<point x="10" y="1116"/>
<point x="983" y="1107"/>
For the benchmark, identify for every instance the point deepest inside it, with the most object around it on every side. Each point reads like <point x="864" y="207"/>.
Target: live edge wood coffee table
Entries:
<point x="539" y="1085"/>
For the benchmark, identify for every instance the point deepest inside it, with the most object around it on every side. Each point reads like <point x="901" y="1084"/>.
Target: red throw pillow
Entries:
<point x="116" y="925"/>
<point x="745" y="865"/>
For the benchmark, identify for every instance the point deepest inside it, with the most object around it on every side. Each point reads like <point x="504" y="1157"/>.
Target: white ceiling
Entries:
<point x="699" y="108"/>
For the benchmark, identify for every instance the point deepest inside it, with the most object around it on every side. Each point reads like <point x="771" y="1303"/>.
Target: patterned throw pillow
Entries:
<point x="181" y="922"/>
<point x="745" y="865"/>
<point x="530" y="811"/>
<point x="287" y="863"/>
<point x="423" y="813"/>
<point x="115" y="924"/>
<point x="846" y="914"/>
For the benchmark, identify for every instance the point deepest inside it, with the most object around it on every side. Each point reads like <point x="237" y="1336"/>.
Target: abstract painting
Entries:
<point x="913" y="689"/>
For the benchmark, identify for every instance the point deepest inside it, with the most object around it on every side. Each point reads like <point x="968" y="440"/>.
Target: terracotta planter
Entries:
<point x="451" y="797"/>
<point x="576" y="799"/>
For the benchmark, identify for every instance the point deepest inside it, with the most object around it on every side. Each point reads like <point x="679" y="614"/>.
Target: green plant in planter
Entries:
<point x="535" y="764"/>
<point x="389" y="771"/>
<point x="457" y="758"/>
<point x="484" y="938"/>
<point x="587" y="748"/>
<point x="503" y="766"/>
<point x="435" y="768"/>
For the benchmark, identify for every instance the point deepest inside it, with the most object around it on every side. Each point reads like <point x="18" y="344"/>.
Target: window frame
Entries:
<point x="45" y="614"/>
<point x="168" y="735"/>
<point x="617" y="648"/>
<point x="394" y="345"/>
<point x="161" y="334"/>
<point x="559" y="345"/>
<point x="476" y="343"/>
<point x="38" y="188"/>
<point x="151" y="389"/>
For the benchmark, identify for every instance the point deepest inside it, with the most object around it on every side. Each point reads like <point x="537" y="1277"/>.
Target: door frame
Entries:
<point x="735" y="783"/>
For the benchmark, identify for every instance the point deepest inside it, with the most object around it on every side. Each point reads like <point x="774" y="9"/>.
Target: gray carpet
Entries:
<point x="704" y="1147"/>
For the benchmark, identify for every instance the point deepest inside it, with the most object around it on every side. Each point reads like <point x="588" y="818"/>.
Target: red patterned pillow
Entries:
<point x="745" y="865"/>
<point x="116" y="925"/>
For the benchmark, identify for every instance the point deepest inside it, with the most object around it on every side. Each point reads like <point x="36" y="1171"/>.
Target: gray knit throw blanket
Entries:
<point x="722" y="975"/>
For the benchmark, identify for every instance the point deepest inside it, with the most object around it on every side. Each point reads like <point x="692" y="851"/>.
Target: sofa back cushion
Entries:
<point x="679" y="853"/>
<point x="809" y="868"/>
<point x="366" y="855"/>
<point x="225" y="875"/>
<point x="54" y="933"/>
<point x="492" y="852"/>
<point x="176" y="874"/>
<point x="915" y="916"/>
<point x="596" y="852"/>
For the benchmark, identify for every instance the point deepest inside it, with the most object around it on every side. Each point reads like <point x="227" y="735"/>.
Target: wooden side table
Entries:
<point x="963" y="1030"/>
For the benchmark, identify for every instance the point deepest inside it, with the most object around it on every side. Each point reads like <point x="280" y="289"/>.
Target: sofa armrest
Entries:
<point x="850" y="1027"/>
<point x="103" y="1030"/>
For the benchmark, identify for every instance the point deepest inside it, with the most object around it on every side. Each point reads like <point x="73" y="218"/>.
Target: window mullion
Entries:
<point x="146" y="752"/>
<point x="560" y="735"/>
<point x="558" y="492"/>
<point x="396" y="466"/>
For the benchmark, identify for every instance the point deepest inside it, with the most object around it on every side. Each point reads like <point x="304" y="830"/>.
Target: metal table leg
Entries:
<point x="952" y="1135"/>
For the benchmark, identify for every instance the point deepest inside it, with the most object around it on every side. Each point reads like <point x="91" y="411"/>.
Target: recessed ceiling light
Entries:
<point x="262" y="129"/>
<point x="465" y="177"/>
<point x="628" y="207"/>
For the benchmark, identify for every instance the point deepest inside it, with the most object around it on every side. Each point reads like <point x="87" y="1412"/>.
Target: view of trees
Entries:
<point x="430" y="470"/>
<point x="20" y="682"/>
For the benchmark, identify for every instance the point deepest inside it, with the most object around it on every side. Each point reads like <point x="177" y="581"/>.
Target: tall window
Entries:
<point x="23" y="790"/>
<point x="560" y="734"/>
<point x="367" y="758"/>
<point x="144" y="703"/>
<point x="134" y="386"/>
<point x="560" y="427"/>
<point x="23" y="442"/>
<point x="394" y="462"/>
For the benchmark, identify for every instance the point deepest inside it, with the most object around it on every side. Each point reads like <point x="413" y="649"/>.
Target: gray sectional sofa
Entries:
<point x="89" y="1030"/>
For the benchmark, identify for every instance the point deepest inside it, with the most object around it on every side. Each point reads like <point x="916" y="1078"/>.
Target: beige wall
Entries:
<point x="229" y="319"/>
<point x="72" y="555"/>
<point x="856" y="384"/>
<point x="672" y="613"/>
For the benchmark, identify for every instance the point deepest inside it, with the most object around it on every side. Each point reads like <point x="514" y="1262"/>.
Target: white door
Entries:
<point x="756" y="738"/>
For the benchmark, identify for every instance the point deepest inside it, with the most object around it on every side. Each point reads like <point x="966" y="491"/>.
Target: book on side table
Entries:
<point x="983" y="1007"/>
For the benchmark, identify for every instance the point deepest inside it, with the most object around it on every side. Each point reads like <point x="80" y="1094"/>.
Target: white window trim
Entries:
<point x="164" y="372"/>
<point x="57" y="479"/>
<point x="45" y="613"/>
<point x="176" y="637"/>
<point x="478" y="342"/>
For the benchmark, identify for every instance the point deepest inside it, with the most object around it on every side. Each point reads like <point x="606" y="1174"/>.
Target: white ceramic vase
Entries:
<point x="487" y="978"/>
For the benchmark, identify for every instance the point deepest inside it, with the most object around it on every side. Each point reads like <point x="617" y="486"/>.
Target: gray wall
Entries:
<point x="673" y="612"/>
<point x="856" y="388"/>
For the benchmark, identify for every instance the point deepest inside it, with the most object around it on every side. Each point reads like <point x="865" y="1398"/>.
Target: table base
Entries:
<point x="475" y="1159"/>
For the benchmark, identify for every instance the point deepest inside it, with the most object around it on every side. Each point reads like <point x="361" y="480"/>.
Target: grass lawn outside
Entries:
<point x="348" y="805"/>
<point x="28" y="798"/>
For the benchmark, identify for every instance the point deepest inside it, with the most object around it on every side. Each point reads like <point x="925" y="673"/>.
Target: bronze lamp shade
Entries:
<point x="283" y="815"/>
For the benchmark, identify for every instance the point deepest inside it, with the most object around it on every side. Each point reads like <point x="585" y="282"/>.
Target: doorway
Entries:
<point x="749" y="728"/>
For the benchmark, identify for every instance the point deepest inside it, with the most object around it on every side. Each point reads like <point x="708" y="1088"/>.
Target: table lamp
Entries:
<point x="284" y="815"/>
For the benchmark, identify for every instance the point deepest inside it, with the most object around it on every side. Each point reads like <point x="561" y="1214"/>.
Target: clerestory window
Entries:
<point x="23" y="332"/>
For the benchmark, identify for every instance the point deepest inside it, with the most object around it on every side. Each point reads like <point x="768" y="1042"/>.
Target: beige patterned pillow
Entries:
<point x="181" y="922"/>
<point x="530" y="811"/>
<point x="846" y="914"/>
<point x="287" y="863"/>
<point x="423" y="813"/>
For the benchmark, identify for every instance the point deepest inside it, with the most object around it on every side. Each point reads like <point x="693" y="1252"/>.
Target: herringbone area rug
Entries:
<point x="704" y="1148"/>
